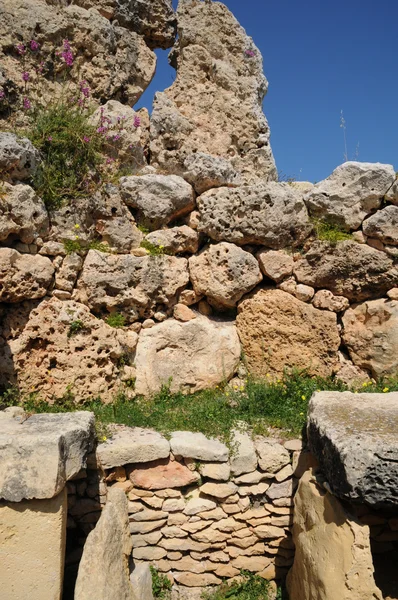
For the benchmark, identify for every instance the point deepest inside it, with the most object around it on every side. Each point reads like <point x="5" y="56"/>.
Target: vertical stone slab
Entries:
<point x="32" y="548"/>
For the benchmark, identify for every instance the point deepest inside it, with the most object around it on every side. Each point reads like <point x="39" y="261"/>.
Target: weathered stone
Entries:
<point x="196" y="445"/>
<point x="216" y="471"/>
<point x="198" y="505"/>
<point x="141" y="582"/>
<point x="348" y="549"/>
<point x="219" y="490"/>
<point x="281" y="490"/>
<point x="143" y="528"/>
<point x="353" y="436"/>
<point x="213" y="515"/>
<point x="348" y="269"/>
<point x="168" y="493"/>
<point x="205" y="172"/>
<point x="253" y="513"/>
<point x="157" y="199"/>
<point x="162" y="474"/>
<point x="244" y="458"/>
<point x="173" y="504"/>
<point x="23" y="215"/>
<point x="284" y="473"/>
<point x="177" y="240"/>
<point x="51" y="357"/>
<point x="371" y="336"/>
<point x="305" y="293"/>
<point x="383" y="225"/>
<point x="278" y="331"/>
<point x="226" y="571"/>
<point x="189" y="297"/>
<point x="66" y="276"/>
<point x="253" y="490"/>
<point x="194" y="527"/>
<point x="19" y="159"/>
<point x="228" y="525"/>
<point x="251" y="563"/>
<point x="210" y="536"/>
<point x="23" y="276"/>
<point x="220" y="115"/>
<point x="154" y="20"/>
<point x="196" y="580"/>
<point x="252" y="548"/>
<point x="350" y="193"/>
<point x="271" y="214"/>
<point x="328" y="301"/>
<point x="148" y="515"/>
<point x="185" y="545"/>
<point x="198" y="354"/>
<point x="173" y="531"/>
<point x="272" y="456"/>
<point x="149" y="553"/>
<point x="252" y="478"/>
<point x="188" y="564"/>
<point x="104" y="563"/>
<point x="132" y="445"/>
<point x="52" y="447"/>
<point x="139" y="284"/>
<point x="268" y="532"/>
<point x="275" y="264"/>
<point x="183" y="313"/>
<point x="224" y="273"/>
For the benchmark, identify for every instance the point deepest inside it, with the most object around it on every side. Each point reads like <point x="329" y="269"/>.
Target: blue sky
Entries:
<point x="321" y="57"/>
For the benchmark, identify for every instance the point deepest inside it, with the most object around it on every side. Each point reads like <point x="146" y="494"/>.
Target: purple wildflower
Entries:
<point x="21" y="49"/>
<point x="2" y="94"/>
<point x="26" y="103"/>
<point x="137" y="121"/>
<point x="109" y="160"/>
<point x="66" y="45"/>
<point x="250" y="53"/>
<point x="50" y="138"/>
<point x="25" y="76"/>
<point x="34" y="45"/>
<point x="116" y="137"/>
<point x="67" y="54"/>
<point x="86" y="139"/>
<point x="102" y="129"/>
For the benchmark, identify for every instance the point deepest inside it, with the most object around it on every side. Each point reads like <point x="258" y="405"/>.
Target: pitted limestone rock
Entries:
<point x="23" y="276"/>
<point x="23" y="215"/>
<point x="205" y="172"/>
<point x="383" y="226"/>
<point x="19" y="159"/>
<point x="176" y="240"/>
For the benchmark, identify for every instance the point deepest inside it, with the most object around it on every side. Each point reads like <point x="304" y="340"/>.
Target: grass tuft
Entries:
<point x="330" y="233"/>
<point x="251" y="587"/>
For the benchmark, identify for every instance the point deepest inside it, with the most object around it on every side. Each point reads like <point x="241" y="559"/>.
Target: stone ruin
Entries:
<point x="243" y="271"/>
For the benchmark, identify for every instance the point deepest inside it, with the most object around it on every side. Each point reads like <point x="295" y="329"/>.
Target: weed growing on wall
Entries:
<point x="251" y="587"/>
<point x="116" y="320"/>
<point x="329" y="233"/>
<point x="161" y="585"/>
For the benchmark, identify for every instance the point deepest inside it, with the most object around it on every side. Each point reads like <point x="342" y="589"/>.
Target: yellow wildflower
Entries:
<point x="77" y="226"/>
<point x="386" y="389"/>
<point x="303" y="397"/>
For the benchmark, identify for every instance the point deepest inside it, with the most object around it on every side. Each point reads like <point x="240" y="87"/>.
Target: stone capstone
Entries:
<point x="190" y="356"/>
<point x="196" y="445"/>
<point x="269" y="214"/>
<point x="353" y="436"/>
<point x="23" y="215"/>
<point x="383" y="225"/>
<point x="19" y="159"/>
<point x="224" y="273"/>
<point x="52" y="448"/>
<point x="348" y="269"/>
<point x="205" y="172"/>
<point x="352" y="192"/>
<point x="132" y="445"/>
<point x="278" y="331"/>
<point x="23" y="276"/>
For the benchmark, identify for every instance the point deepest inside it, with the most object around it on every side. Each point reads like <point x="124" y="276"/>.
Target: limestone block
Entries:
<point x="176" y="240"/>
<point x="205" y="172"/>
<point x="19" y="159"/>
<point x="132" y="445"/>
<point x="219" y="490"/>
<point x="196" y="445"/>
<point x="198" y="505"/>
<point x="195" y="580"/>
<point x="272" y="456"/>
<point x="328" y="301"/>
<point x="216" y="471"/>
<point x="23" y="276"/>
<point x="23" y="215"/>
<point x="275" y="264"/>
<point x="162" y="474"/>
<point x="141" y="582"/>
<point x="244" y="457"/>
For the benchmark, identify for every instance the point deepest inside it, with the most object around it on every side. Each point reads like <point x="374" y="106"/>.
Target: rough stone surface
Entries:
<point x="33" y="530"/>
<point x="328" y="301"/>
<point x="132" y="285"/>
<point x="66" y="276"/>
<point x="141" y="582"/>
<point x="275" y="264"/>
<point x="104" y="566"/>
<point x="205" y="172"/>
<point x="23" y="276"/>
<point x="278" y="331"/>
<point x="371" y="336"/>
<point x="350" y="193"/>
<point x="216" y="471"/>
<point x="215" y="104"/>
<point x="348" y="269"/>
<point x="157" y="199"/>
<point x="271" y="455"/>
<point x="219" y="490"/>
<point x="162" y="474"/>
<point x="52" y="448"/>
<point x="23" y="215"/>
<point x="47" y="356"/>
<point x="333" y="556"/>
<point x="224" y="273"/>
<point x="196" y="445"/>
<point x="177" y="240"/>
<point x="197" y="354"/>
<point x="19" y="159"/>
<point x="132" y="445"/>
<point x="244" y="457"/>
<point x="271" y="214"/>
<point x="383" y="225"/>
<point x="353" y="436"/>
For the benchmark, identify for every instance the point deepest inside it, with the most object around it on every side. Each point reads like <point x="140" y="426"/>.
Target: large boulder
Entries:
<point x="63" y="348"/>
<point x="348" y="269"/>
<point x="353" y="436"/>
<point x="23" y="216"/>
<point x="224" y="272"/>
<point x="132" y="285"/>
<point x="371" y="336"/>
<point x="279" y="332"/>
<point x="271" y="214"/>
<point x="51" y="447"/>
<point x="157" y="199"/>
<point x="188" y="356"/>
<point x="351" y="193"/>
<point x="333" y="557"/>
<point x="215" y="104"/>
<point x="104" y="566"/>
<point x="19" y="159"/>
<point x="383" y="225"/>
<point x="23" y="276"/>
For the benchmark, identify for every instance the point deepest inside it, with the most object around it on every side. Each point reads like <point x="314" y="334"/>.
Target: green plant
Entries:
<point x="251" y="587"/>
<point x="142" y="228"/>
<point x="75" y="327"/>
<point x="161" y="585"/>
<point x="100" y="246"/>
<point x="123" y="360"/>
<point x="116" y="320"/>
<point x="71" y="246"/>
<point x="327" y="232"/>
<point x="153" y="249"/>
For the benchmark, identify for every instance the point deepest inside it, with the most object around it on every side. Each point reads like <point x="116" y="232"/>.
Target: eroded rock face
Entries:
<point x="23" y="276"/>
<point x="278" y="331"/>
<point x="353" y="436"/>
<point x="348" y="269"/>
<point x="176" y="240"/>
<point x="194" y="355"/>
<point x="157" y="199"/>
<point x="62" y="346"/>
<point x="224" y="272"/>
<point x="23" y="215"/>
<point x="350" y="193"/>
<point x="271" y="214"/>
<point x="214" y="106"/>
<point x="115" y="62"/>
<point x="19" y="159"/>
<point x="371" y="336"/>
<point x="383" y="225"/>
<point x="320" y="522"/>
<point x="133" y="285"/>
<point x="205" y="172"/>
